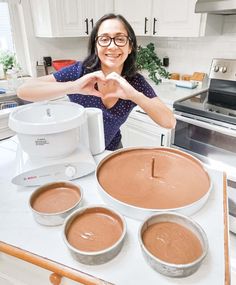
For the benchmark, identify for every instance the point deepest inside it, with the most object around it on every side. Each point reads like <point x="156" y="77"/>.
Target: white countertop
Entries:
<point x="169" y="93"/>
<point x="19" y="228"/>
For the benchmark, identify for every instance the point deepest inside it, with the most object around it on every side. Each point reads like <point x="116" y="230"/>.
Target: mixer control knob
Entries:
<point x="216" y="68"/>
<point x="70" y="171"/>
<point x="223" y="69"/>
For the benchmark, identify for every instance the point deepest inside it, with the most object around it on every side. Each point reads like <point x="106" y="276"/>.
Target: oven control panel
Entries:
<point x="224" y="69"/>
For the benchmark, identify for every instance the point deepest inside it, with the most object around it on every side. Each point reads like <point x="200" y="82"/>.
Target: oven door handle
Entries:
<point x="212" y="127"/>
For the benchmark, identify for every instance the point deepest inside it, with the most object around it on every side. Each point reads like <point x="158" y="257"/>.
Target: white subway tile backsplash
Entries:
<point x="193" y="54"/>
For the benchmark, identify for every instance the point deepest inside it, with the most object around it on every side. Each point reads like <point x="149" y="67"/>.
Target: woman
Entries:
<point x="106" y="79"/>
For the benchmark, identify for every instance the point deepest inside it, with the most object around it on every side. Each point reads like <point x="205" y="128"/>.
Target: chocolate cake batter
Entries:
<point x="158" y="178"/>
<point x="172" y="243"/>
<point x="56" y="199"/>
<point x="94" y="230"/>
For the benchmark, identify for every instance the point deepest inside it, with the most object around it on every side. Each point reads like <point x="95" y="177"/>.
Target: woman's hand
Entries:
<point x="88" y="83"/>
<point x="154" y="107"/>
<point x="116" y="86"/>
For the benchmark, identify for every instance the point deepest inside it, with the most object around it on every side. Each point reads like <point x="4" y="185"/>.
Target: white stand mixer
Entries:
<point x="57" y="141"/>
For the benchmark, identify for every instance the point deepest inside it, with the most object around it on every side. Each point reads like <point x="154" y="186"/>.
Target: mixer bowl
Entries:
<point x="48" y="129"/>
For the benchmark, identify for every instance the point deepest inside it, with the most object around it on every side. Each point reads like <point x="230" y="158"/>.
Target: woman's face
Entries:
<point x="112" y="57"/>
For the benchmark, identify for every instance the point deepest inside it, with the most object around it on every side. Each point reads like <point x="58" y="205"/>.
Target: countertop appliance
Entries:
<point x="57" y="141"/>
<point x="206" y="125"/>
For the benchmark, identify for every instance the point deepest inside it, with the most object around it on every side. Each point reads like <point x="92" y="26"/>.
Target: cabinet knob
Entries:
<point x="55" y="279"/>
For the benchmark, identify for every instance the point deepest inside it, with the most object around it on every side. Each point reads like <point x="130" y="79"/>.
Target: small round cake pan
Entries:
<point x="142" y="181"/>
<point x="94" y="234"/>
<point x="51" y="203"/>
<point x="173" y="244"/>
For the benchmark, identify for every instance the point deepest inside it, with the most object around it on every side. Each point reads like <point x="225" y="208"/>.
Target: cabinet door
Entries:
<point x="67" y="18"/>
<point x="137" y="13"/>
<point x="40" y="10"/>
<point x="96" y="9"/>
<point x="175" y="18"/>
<point x="137" y="133"/>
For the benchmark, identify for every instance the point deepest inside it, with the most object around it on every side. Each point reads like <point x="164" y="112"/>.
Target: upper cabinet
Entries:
<point x="138" y="13"/>
<point x="167" y="18"/>
<point x="73" y="18"/>
<point x="67" y="18"/>
<point x="177" y="19"/>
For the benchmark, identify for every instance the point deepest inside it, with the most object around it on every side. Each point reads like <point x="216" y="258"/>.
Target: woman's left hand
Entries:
<point x="118" y="87"/>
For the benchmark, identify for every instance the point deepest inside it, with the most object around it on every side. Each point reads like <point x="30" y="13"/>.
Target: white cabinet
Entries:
<point x="177" y="19"/>
<point x="143" y="133"/>
<point x="138" y="14"/>
<point x="168" y="18"/>
<point x="67" y="18"/>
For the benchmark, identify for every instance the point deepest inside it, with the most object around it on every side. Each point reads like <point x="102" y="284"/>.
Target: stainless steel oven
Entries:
<point x="213" y="142"/>
<point x="206" y="124"/>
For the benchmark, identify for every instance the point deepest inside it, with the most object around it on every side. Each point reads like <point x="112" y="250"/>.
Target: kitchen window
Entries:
<point x="12" y="35"/>
<point x="6" y="40"/>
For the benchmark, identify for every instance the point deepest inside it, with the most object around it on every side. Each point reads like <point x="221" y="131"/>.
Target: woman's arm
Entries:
<point x="156" y="110"/>
<point x="42" y="88"/>
<point x="46" y="87"/>
<point x="154" y="107"/>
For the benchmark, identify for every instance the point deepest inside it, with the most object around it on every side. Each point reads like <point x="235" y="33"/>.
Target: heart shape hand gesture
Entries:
<point x="97" y="84"/>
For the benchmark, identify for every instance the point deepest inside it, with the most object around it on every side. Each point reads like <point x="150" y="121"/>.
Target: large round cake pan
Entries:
<point x="140" y="182"/>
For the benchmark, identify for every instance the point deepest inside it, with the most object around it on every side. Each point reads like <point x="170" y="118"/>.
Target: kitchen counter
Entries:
<point x="20" y="231"/>
<point x="169" y="93"/>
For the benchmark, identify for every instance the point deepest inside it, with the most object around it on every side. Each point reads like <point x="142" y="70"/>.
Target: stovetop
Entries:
<point x="199" y="105"/>
<point x="219" y="101"/>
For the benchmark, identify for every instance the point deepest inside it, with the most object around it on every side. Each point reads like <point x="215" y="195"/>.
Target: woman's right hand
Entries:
<point x="87" y="84"/>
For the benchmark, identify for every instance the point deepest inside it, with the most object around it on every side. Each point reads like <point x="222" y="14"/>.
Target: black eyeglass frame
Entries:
<point x="114" y="40"/>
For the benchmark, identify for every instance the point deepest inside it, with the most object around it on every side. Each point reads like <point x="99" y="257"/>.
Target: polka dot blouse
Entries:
<point x="113" y="117"/>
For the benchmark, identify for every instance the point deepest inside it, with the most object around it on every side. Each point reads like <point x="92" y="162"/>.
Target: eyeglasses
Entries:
<point x="105" y="41"/>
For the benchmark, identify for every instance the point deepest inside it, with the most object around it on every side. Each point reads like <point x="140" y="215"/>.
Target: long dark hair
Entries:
<point x="92" y="62"/>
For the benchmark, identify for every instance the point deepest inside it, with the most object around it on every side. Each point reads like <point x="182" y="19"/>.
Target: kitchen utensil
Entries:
<point x="139" y="182"/>
<point x="94" y="234"/>
<point x="54" y="141"/>
<point x="53" y="202"/>
<point x="166" y="268"/>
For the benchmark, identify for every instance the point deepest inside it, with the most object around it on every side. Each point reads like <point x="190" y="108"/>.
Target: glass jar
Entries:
<point x="11" y="76"/>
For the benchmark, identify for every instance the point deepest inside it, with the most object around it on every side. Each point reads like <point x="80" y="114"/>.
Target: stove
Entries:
<point x="206" y="125"/>
<point x="219" y="101"/>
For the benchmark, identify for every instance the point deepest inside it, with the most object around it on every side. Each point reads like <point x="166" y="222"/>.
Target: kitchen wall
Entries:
<point x="186" y="54"/>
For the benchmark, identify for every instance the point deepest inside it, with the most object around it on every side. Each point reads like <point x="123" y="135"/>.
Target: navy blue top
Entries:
<point x="113" y="117"/>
